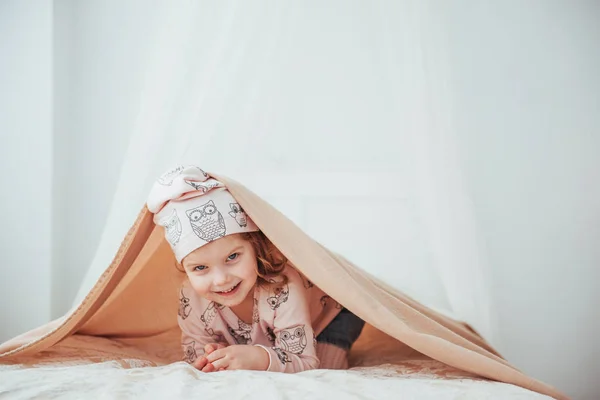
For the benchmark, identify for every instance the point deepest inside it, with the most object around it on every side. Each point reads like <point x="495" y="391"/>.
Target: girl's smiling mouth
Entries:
<point x="230" y="291"/>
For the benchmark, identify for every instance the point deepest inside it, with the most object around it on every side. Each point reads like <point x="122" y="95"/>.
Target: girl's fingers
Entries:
<point x="217" y="354"/>
<point x="209" y="368"/>
<point x="200" y="362"/>
<point x="221" y="364"/>
<point x="209" y="348"/>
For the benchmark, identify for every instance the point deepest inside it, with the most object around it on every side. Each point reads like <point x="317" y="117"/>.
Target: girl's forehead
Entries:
<point x="215" y="249"/>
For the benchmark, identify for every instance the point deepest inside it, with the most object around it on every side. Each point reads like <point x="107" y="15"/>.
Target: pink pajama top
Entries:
<point x="286" y="319"/>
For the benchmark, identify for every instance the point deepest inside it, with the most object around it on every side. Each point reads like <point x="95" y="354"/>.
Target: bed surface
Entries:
<point x="101" y="368"/>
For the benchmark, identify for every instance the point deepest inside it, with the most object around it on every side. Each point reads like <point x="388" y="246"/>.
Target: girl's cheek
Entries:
<point x="199" y="285"/>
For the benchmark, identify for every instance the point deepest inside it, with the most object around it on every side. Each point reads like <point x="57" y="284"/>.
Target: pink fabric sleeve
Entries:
<point x="294" y="347"/>
<point x="193" y="333"/>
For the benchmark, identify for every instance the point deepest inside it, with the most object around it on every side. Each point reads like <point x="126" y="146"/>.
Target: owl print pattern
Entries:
<point x="172" y="226"/>
<point x="293" y="339"/>
<point x="242" y="334"/>
<point x="270" y="335"/>
<point x="279" y="295"/>
<point x="238" y="213"/>
<point x="217" y="336"/>
<point x="202" y="171"/>
<point x="255" y="316"/>
<point x="189" y="354"/>
<point x="282" y="355"/>
<point x="325" y="299"/>
<point x="203" y="186"/>
<point x="184" y="306"/>
<point x="167" y="178"/>
<point x="207" y="222"/>
<point x="211" y="312"/>
<point x="307" y="284"/>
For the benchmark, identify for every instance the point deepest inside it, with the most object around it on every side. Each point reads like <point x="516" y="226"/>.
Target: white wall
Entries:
<point x="527" y="107"/>
<point x="62" y="61"/>
<point x="26" y="164"/>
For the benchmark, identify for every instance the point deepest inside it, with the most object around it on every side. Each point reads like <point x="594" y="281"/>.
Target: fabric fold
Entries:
<point x="136" y="299"/>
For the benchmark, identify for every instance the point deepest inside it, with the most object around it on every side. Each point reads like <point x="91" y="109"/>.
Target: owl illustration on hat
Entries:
<point x="203" y="186"/>
<point x="207" y="222"/>
<point x="172" y="226"/>
<point x="201" y="170"/>
<point x="238" y="213"/>
<point x="167" y="178"/>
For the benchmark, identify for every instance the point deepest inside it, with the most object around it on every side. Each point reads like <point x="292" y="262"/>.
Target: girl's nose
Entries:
<point x="220" y="277"/>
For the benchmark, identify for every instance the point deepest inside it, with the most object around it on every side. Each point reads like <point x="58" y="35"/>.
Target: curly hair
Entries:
<point x="270" y="261"/>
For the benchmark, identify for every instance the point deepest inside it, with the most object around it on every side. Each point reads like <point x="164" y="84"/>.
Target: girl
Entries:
<point x="243" y="305"/>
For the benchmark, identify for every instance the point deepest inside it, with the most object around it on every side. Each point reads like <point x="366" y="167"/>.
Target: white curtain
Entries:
<point x="315" y="105"/>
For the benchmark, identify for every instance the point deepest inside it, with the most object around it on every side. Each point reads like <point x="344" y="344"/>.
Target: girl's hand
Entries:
<point x="243" y="356"/>
<point x="208" y="348"/>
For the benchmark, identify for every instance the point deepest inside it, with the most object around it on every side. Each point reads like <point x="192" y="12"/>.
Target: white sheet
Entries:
<point x="60" y="373"/>
<point x="180" y="381"/>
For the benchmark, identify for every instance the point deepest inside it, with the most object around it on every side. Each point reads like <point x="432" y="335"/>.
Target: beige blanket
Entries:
<point x="135" y="303"/>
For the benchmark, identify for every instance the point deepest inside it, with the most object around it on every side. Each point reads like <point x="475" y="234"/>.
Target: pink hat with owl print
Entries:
<point x="195" y="209"/>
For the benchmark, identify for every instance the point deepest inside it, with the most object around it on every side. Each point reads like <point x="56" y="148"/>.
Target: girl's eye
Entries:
<point x="233" y="256"/>
<point x="200" y="268"/>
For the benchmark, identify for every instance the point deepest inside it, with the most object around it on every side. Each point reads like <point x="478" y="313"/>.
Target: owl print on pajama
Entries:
<point x="211" y="312"/>
<point x="305" y="282"/>
<point x="283" y="356"/>
<point x="172" y="226"/>
<point x="279" y="295"/>
<point x="217" y="336"/>
<point x="270" y="335"/>
<point x="207" y="222"/>
<point x="293" y="339"/>
<point x="242" y="334"/>
<point x="184" y="306"/>
<point x="255" y="315"/>
<point x="325" y="299"/>
<point x="280" y="321"/>
<point x="238" y="213"/>
<point x="190" y="352"/>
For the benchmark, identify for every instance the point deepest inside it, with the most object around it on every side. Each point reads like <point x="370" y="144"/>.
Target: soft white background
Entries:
<point x="517" y="85"/>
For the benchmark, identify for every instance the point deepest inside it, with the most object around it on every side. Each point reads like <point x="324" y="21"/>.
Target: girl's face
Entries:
<point x="223" y="271"/>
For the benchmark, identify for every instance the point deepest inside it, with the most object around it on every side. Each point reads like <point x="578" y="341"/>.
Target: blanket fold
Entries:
<point x="136" y="299"/>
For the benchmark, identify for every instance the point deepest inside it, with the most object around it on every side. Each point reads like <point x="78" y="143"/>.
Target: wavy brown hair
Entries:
<point x="270" y="261"/>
